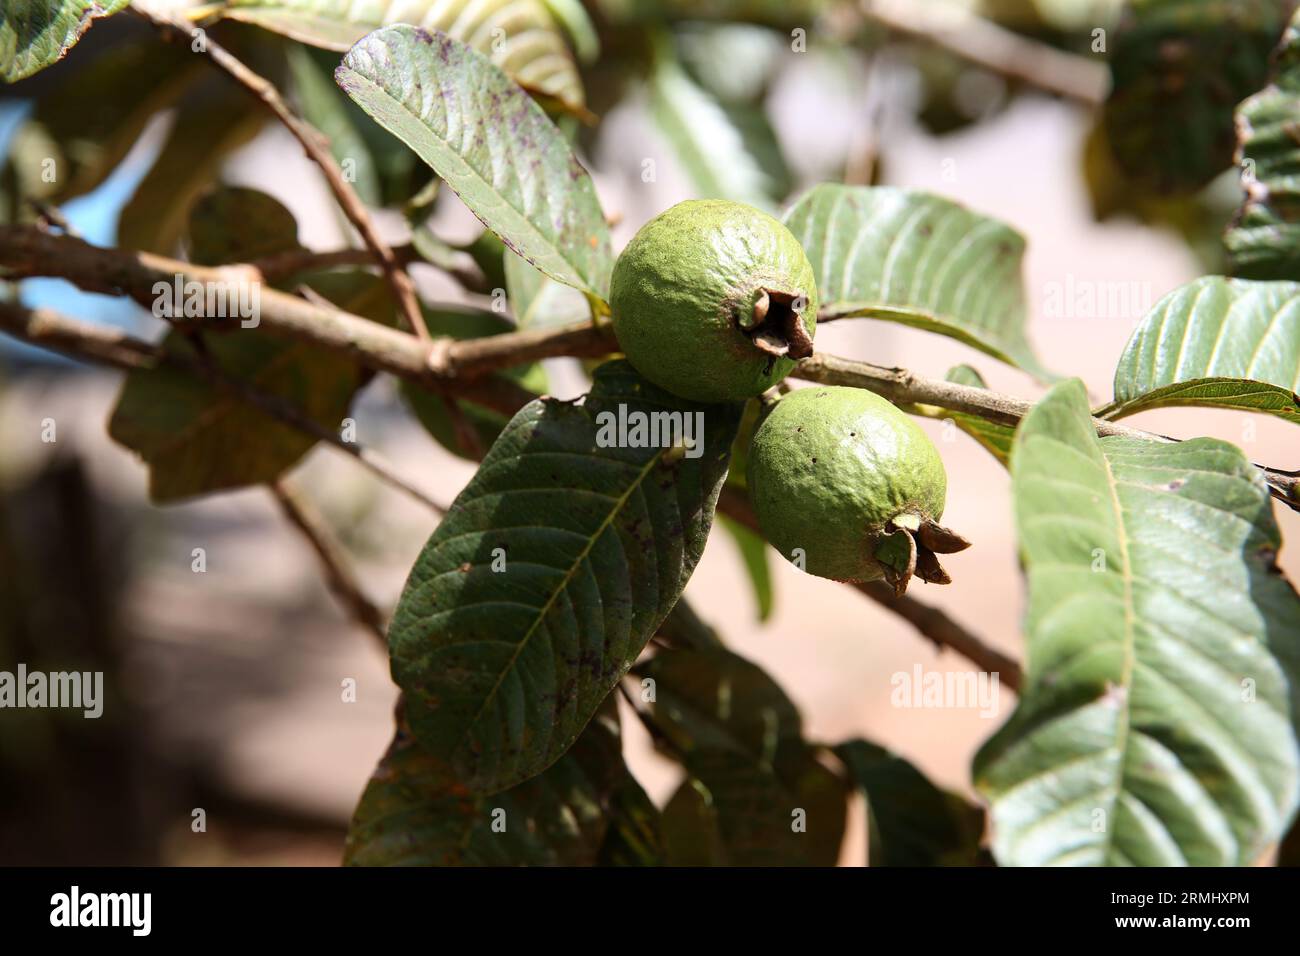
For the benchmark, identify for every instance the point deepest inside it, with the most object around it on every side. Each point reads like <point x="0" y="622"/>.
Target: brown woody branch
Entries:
<point x="317" y="149"/>
<point x="995" y="48"/>
<point x="338" y="573"/>
<point x="464" y="367"/>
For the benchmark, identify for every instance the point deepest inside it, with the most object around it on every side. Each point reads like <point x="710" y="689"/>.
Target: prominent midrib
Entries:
<point x="1130" y="640"/>
<point x="615" y="509"/>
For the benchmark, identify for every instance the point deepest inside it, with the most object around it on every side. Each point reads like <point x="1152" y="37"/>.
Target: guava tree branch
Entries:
<point x="458" y="264"/>
<point x="338" y="573"/>
<point x="464" y="366"/>
<point x="106" y="346"/>
<point x="904" y="388"/>
<point x="1001" y="51"/>
<point x="317" y="149"/>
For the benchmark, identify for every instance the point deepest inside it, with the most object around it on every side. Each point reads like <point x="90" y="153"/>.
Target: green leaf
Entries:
<point x="995" y="438"/>
<point x="380" y="167"/>
<point x="197" y="437"/>
<point x="582" y="33"/>
<point x="211" y="123"/>
<point x="537" y="301"/>
<point x="85" y="146"/>
<point x="735" y="62"/>
<point x="684" y="628"/>
<point x="412" y="814"/>
<point x="35" y="34"/>
<point x="1264" y="240"/>
<point x="523" y="37"/>
<point x="754" y="555"/>
<point x="1179" y="67"/>
<point x="463" y="322"/>
<point x="237" y="224"/>
<point x="503" y="668"/>
<point x="911" y="821"/>
<point x="492" y="144"/>
<point x="754" y="781"/>
<point x="1228" y="343"/>
<point x="1156" y="724"/>
<point x="709" y="147"/>
<point x="635" y="836"/>
<point x="691" y="829"/>
<point x="918" y="259"/>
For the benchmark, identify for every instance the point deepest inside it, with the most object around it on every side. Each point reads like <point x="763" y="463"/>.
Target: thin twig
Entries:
<point x="930" y="622"/>
<point x="49" y="329"/>
<point x="997" y="49"/>
<point x="460" y="266"/>
<point x="316" y="146"/>
<point x="338" y="574"/>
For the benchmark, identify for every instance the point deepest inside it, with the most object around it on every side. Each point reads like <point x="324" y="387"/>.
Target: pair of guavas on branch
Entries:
<point x="716" y="301"/>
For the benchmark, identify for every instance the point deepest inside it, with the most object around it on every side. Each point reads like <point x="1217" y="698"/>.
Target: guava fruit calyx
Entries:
<point x="774" y="323"/>
<point x="908" y="547"/>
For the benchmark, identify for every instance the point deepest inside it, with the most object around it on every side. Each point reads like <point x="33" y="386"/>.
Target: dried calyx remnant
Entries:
<point x="909" y="545"/>
<point x="774" y="323"/>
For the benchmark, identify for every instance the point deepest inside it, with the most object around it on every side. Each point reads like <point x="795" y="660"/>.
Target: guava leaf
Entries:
<point x="915" y="258"/>
<point x="754" y="556"/>
<point x="538" y="301"/>
<point x="684" y="628"/>
<point x="522" y="37"/>
<point x="198" y="438"/>
<point x="379" y="166"/>
<point x="755" y="787"/>
<point x="238" y="224"/>
<point x="491" y="144"/>
<point x="996" y="438"/>
<point x="35" y="34"/>
<point x="1263" y="242"/>
<point x="411" y="814"/>
<point x="1228" y="343"/>
<point x="464" y="322"/>
<point x="1156" y="723"/>
<point x="214" y="120"/>
<point x="548" y="576"/>
<point x="137" y="80"/>
<point x="709" y="147"/>
<point x="1179" y="68"/>
<point x="911" y="822"/>
<point x="635" y="834"/>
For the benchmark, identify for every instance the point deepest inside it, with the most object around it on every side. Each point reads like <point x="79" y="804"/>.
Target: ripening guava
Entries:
<point x="850" y="488"/>
<point x="714" y="301"/>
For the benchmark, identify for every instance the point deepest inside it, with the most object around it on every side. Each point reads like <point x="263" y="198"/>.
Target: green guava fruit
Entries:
<point x="848" y="487"/>
<point x="714" y="301"/>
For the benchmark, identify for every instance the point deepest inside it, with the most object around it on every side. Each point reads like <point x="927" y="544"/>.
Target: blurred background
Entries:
<point x="224" y="685"/>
